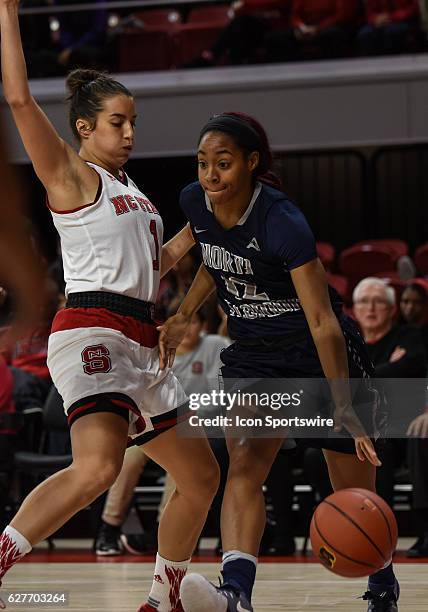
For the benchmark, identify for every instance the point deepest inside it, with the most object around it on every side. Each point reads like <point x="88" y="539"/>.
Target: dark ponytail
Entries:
<point x="88" y="89"/>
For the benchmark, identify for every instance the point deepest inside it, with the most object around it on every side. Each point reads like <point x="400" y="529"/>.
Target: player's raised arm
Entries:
<point x="311" y="286"/>
<point x="56" y="164"/>
<point x="176" y="248"/>
<point x="173" y="330"/>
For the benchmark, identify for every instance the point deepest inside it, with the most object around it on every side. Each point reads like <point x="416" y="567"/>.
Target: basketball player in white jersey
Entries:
<point x="102" y="352"/>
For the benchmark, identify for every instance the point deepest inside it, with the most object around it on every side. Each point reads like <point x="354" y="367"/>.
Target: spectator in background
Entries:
<point x="324" y="26"/>
<point x="176" y="283"/>
<point x="397" y="352"/>
<point x="243" y="39"/>
<point x="414" y="311"/>
<point x="80" y="42"/>
<point x="414" y="307"/>
<point x="83" y="36"/>
<point x="423" y="7"/>
<point x="28" y="358"/>
<point x="389" y="27"/>
<point x="38" y="42"/>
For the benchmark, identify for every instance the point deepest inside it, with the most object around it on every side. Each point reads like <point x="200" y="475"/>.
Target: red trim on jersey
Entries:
<point x="73" y="318"/>
<point x="73" y="210"/>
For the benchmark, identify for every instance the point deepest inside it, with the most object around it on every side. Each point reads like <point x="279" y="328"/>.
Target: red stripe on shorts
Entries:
<point x="140" y="423"/>
<point x="81" y="408"/>
<point x="173" y="421"/>
<point x="72" y="318"/>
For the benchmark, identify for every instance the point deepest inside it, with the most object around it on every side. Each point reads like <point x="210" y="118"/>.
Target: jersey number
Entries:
<point x="96" y="359"/>
<point x="243" y="291"/>
<point x="154" y="233"/>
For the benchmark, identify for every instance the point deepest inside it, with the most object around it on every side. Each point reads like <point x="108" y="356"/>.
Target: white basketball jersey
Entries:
<point x="113" y="244"/>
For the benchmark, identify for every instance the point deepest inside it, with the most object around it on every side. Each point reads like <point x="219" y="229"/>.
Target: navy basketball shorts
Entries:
<point x="104" y="362"/>
<point x="299" y="360"/>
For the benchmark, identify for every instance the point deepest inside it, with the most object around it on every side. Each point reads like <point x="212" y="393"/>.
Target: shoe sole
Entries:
<point x="130" y="549"/>
<point x="197" y="595"/>
<point x="108" y="553"/>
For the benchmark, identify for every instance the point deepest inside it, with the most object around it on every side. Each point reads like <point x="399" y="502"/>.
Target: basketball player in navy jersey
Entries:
<point x="103" y="355"/>
<point x="259" y="253"/>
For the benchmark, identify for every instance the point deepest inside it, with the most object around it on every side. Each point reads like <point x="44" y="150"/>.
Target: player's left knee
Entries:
<point x="202" y="488"/>
<point x="97" y="476"/>
<point x="246" y="466"/>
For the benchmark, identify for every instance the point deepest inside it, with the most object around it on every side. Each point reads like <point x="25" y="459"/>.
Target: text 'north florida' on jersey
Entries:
<point x="251" y="261"/>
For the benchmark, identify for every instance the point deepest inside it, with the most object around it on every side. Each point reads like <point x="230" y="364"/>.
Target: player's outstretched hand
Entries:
<point x="171" y="335"/>
<point x="345" y="417"/>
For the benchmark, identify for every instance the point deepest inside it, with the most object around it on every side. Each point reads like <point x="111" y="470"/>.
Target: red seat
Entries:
<point x="218" y="15"/>
<point x="159" y="17"/>
<point x="147" y="49"/>
<point x="149" y="43"/>
<point x="392" y="278"/>
<point x="423" y="282"/>
<point x="193" y="39"/>
<point x="395" y="246"/>
<point x="326" y="253"/>
<point x="201" y="31"/>
<point x="363" y="260"/>
<point x="421" y="259"/>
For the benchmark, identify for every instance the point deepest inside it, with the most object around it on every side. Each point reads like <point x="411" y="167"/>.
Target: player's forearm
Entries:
<point x="175" y="249"/>
<point x="331" y="348"/>
<point x="14" y="71"/>
<point x="200" y="290"/>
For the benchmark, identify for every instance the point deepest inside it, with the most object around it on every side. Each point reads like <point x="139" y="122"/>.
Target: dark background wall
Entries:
<point x="346" y="195"/>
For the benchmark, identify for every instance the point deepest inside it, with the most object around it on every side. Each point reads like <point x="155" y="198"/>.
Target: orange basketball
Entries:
<point x="354" y="533"/>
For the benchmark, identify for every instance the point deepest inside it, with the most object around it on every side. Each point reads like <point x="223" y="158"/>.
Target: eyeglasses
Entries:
<point x="375" y="302"/>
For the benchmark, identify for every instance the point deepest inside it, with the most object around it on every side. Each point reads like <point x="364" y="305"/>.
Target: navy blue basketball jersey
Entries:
<point x="251" y="262"/>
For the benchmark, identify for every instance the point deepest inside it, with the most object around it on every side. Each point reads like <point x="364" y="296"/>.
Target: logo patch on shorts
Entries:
<point x="96" y="359"/>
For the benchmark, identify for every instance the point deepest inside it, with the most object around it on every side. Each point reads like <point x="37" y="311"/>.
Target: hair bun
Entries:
<point x="80" y="77"/>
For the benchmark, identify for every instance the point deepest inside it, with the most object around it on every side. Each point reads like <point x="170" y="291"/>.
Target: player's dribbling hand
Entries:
<point x="365" y="450"/>
<point x="171" y="335"/>
<point x="418" y="428"/>
<point x="346" y="417"/>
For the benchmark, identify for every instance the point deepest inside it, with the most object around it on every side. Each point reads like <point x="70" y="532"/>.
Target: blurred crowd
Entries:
<point x="243" y="32"/>
<point x="393" y="318"/>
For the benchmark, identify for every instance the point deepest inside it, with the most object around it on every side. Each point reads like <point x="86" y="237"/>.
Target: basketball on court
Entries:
<point x="353" y="533"/>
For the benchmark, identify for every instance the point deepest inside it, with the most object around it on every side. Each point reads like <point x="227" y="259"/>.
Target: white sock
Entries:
<point x="165" y="592"/>
<point x="233" y="555"/>
<point x="13" y="546"/>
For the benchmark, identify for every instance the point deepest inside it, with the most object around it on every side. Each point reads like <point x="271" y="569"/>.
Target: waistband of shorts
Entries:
<point x="120" y="304"/>
<point x="274" y="341"/>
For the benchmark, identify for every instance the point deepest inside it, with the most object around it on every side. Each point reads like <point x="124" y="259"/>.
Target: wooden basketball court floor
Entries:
<point x="120" y="584"/>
